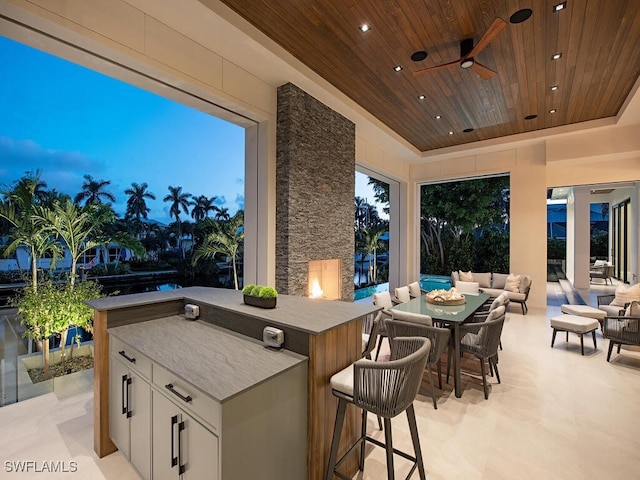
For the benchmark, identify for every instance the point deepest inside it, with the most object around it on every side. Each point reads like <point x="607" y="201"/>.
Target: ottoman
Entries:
<point x="585" y="311"/>
<point x="575" y="324"/>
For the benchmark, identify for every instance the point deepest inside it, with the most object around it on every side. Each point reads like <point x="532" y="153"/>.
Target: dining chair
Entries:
<point x="386" y="389"/>
<point x="481" y="340"/>
<point x="382" y="299"/>
<point x="402" y="294"/>
<point x="414" y="290"/>
<point x="439" y="338"/>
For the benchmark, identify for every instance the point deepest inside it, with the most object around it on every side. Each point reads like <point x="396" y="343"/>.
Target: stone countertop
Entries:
<point x="220" y="363"/>
<point x="313" y="316"/>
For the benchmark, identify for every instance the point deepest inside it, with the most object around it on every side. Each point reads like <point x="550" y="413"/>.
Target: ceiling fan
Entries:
<point x="468" y="51"/>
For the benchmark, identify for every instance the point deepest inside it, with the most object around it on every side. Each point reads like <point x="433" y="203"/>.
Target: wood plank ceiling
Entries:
<point x="598" y="67"/>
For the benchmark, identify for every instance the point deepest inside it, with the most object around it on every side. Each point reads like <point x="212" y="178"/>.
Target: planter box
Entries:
<point x="260" y="302"/>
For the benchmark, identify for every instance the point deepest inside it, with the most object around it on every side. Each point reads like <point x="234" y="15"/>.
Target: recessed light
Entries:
<point x="450" y="133"/>
<point x="364" y="28"/>
<point x="438" y="117"/>
<point x="556" y="56"/>
<point x="521" y="15"/>
<point x="531" y="117"/>
<point x="560" y="6"/>
<point x="398" y="68"/>
<point x="419" y="55"/>
<point x="554" y="88"/>
<point x="468" y="130"/>
<point x="421" y="97"/>
<point x="552" y="111"/>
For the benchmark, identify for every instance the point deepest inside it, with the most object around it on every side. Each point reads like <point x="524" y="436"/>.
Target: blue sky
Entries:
<point x="68" y="121"/>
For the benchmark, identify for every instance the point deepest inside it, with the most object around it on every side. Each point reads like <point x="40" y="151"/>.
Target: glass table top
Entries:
<point x="452" y="313"/>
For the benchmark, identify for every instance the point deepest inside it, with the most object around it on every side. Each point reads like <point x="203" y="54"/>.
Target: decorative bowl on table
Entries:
<point x="445" y="297"/>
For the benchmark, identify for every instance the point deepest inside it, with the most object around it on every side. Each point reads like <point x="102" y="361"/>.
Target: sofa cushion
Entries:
<point x="600" y="263"/>
<point x="499" y="280"/>
<point x="626" y="294"/>
<point x="467" y="287"/>
<point x="466" y="276"/>
<point x="455" y="276"/>
<point x="611" y="310"/>
<point x="493" y="292"/>
<point x="483" y="279"/>
<point x="525" y="283"/>
<point x="513" y="283"/>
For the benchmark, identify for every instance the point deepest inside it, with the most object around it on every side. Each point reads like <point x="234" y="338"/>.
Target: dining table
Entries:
<point x="451" y="316"/>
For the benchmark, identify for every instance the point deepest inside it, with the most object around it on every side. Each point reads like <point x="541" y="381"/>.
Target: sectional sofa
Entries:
<point x="516" y="286"/>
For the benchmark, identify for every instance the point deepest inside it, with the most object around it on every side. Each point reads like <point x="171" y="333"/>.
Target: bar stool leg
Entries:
<point x="363" y="434"/>
<point x="389" y="447"/>
<point x="335" y="442"/>
<point x="413" y="428"/>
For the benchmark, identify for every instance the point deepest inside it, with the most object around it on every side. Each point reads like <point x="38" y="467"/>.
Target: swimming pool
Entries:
<point x="427" y="282"/>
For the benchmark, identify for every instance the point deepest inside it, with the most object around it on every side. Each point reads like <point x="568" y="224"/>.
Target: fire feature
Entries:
<point x="325" y="280"/>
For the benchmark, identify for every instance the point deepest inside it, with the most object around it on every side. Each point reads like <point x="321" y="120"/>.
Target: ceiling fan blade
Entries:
<point x="496" y="27"/>
<point x="436" y="68"/>
<point x="484" y="72"/>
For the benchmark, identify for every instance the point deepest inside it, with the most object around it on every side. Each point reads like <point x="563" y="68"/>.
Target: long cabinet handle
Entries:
<point x="123" y="354"/>
<point x="169" y="386"/>
<point x="124" y="386"/>
<point x="181" y="467"/>
<point x="174" y="459"/>
<point x="128" y="397"/>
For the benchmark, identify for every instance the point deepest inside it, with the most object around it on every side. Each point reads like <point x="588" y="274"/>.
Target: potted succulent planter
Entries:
<point x="260" y="296"/>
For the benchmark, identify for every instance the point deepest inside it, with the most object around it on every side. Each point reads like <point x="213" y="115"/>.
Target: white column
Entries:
<point x="578" y="237"/>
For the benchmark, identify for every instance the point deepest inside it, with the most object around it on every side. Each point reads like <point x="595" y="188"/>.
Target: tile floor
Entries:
<point x="557" y="415"/>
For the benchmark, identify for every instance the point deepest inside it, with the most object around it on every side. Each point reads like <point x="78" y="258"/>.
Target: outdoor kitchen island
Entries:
<point x="327" y="333"/>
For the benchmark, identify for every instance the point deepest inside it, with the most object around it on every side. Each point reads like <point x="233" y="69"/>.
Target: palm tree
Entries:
<point x="226" y="239"/>
<point x="202" y="206"/>
<point x="222" y="214"/>
<point x="21" y="200"/>
<point x="372" y="243"/>
<point x="179" y="201"/>
<point x="136" y="204"/>
<point x="93" y="191"/>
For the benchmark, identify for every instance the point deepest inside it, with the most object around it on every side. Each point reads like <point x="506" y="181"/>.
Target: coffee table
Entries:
<point x="453" y="316"/>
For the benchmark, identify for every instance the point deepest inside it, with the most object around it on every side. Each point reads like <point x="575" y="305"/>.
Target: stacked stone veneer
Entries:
<point x="315" y="183"/>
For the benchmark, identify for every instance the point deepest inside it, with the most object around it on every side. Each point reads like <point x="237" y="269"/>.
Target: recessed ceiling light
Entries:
<point x="468" y="130"/>
<point x="560" y="6"/>
<point x="521" y="15"/>
<point x="450" y="133"/>
<point x="398" y="68"/>
<point x="552" y="111"/>
<point x="364" y="28"/>
<point x="554" y="88"/>
<point x="531" y="117"/>
<point x="419" y="55"/>
<point x="438" y="117"/>
<point x="556" y="56"/>
<point x="421" y="97"/>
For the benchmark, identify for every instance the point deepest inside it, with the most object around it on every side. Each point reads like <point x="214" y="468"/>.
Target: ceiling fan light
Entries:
<point x="467" y="63"/>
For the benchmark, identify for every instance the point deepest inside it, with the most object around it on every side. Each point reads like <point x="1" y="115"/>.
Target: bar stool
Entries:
<point x="385" y="389"/>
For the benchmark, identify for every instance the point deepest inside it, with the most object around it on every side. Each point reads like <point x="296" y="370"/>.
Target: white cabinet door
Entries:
<point x="118" y="420"/>
<point x="130" y="415"/>
<point x="182" y="448"/>
<point x="199" y="450"/>
<point x="140" y="425"/>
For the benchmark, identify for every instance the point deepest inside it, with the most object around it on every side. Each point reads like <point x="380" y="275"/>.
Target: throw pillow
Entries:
<point x="633" y="310"/>
<point x="624" y="295"/>
<point x="499" y="280"/>
<point x="466" y="276"/>
<point x="513" y="283"/>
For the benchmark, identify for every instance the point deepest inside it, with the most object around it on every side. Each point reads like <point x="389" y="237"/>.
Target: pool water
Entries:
<point x="427" y="282"/>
